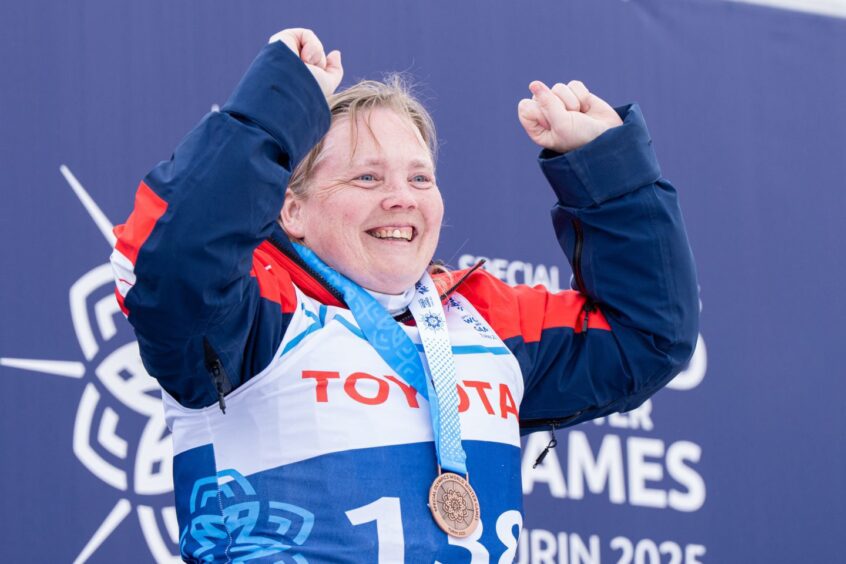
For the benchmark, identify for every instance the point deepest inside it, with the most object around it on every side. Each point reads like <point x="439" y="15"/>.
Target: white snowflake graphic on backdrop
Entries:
<point x="117" y="392"/>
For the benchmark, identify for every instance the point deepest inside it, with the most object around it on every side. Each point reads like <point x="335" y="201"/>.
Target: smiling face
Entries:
<point x="371" y="210"/>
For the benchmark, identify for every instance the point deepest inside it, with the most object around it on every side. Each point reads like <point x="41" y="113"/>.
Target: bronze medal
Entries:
<point x="454" y="505"/>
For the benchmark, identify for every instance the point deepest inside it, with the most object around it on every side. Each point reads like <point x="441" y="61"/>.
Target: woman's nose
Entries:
<point x="399" y="195"/>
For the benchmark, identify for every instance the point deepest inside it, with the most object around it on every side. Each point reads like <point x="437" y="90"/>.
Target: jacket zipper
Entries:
<point x="301" y="263"/>
<point x="552" y="424"/>
<point x="577" y="274"/>
<point x="221" y="382"/>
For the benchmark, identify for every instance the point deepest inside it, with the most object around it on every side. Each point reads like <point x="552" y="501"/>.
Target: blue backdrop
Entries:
<point x="742" y="460"/>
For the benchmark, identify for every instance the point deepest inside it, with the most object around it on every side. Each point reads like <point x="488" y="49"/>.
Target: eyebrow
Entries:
<point x="416" y="163"/>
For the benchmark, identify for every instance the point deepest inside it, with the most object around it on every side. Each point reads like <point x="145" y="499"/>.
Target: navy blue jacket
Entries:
<point x="207" y="321"/>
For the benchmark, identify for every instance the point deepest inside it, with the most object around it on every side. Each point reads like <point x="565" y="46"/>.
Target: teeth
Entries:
<point x="405" y="233"/>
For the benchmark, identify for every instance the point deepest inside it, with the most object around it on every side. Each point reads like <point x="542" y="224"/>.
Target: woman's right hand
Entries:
<point x="327" y="69"/>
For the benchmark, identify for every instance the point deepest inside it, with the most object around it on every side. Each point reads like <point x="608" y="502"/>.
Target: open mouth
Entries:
<point x="393" y="233"/>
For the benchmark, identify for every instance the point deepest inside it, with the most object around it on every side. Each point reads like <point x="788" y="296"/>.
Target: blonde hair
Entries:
<point x="394" y="93"/>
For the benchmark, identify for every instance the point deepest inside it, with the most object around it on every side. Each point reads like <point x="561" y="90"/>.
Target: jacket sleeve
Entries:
<point x="632" y="322"/>
<point x="206" y="315"/>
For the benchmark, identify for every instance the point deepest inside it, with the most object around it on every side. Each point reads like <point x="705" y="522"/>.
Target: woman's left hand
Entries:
<point x="566" y="116"/>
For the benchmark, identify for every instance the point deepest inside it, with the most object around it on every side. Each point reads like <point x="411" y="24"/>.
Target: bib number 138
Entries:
<point x="387" y="514"/>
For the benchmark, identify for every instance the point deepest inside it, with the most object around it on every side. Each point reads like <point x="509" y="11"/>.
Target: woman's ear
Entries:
<point x="292" y="216"/>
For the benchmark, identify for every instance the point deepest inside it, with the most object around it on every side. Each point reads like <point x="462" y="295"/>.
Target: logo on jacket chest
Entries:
<point x="476" y="397"/>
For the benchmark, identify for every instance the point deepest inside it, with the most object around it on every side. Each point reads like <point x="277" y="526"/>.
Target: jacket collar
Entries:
<point x="301" y="275"/>
<point x="313" y="285"/>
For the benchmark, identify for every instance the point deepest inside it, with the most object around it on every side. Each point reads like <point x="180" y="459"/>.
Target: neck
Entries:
<point x="394" y="303"/>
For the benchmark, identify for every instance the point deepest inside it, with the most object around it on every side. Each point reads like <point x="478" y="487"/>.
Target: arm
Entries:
<point x="633" y="323"/>
<point x="183" y="260"/>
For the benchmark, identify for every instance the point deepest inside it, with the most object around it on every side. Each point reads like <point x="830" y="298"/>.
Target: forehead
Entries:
<point x="380" y="134"/>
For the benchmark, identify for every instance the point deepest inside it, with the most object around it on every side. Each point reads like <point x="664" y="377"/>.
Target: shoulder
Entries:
<point x="495" y="300"/>
<point x="523" y="311"/>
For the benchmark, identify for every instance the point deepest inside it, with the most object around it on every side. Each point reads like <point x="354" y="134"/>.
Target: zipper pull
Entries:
<point x="219" y="379"/>
<point x="552" y="444"/>
<point x="587" y="309"/>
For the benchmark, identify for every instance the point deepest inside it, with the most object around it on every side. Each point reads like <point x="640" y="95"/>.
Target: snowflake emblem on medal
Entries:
<point x="433" y="321"/>
<point x="455" y="507"/>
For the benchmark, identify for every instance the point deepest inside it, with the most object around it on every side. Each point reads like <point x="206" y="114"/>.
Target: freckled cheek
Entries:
<point x="344" y="210"/>
<point x="349" y="218"/>
<point x="434" y="215"/>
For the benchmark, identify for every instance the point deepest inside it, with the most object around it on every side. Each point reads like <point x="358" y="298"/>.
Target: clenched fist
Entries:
<point x="326" y="69"/>
<point x="566" y="116"/>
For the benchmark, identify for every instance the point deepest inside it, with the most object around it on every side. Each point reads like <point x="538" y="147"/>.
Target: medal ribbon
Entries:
<point x="396" y="348"/>
<point x="428" y="312"/>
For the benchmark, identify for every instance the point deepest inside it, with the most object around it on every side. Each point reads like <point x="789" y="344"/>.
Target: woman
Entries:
<point x="319" y="381"/>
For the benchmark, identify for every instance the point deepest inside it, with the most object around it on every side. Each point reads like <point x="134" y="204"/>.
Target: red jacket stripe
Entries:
<point x="149" y="207"/>
<point x="536" y="308"/>
<point x="273" y="281"/>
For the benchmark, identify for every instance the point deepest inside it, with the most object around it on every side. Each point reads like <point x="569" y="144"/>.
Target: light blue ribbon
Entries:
<point x="395" y="347"/>
<point x="428" y="312"/>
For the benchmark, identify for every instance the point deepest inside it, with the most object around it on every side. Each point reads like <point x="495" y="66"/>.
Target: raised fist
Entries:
<point x="566" y="116"/>
<point x="327" y="69"/>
